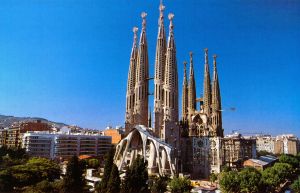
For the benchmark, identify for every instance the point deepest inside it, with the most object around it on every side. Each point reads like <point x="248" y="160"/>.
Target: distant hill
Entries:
<point x="7" y="121"/>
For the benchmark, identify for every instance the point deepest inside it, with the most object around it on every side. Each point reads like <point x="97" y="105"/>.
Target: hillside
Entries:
<point x="6" y="121"/>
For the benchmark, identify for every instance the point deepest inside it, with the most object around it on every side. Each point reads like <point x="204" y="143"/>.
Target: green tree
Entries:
<point x="229" y="182"/>
<point x="284" y="170"/>
<point x="274" y="176"/>
<point x="289" y="159"/>
<point x="7" y="181"/>
<point x="16" y="153"/>
<point x="226" y="168"/>
<point x="250" y="180"/>
<point x="73" y="180"/>
<point x="213" y="177"/>
<point x="180" y="185"/>
<point x="136" y="177"/>
<point x="34" y="171"/>
<point x="3" y="150"/>
<point x="270" y="179"/>
<point x="41" y="187"/>
<point x="114" y="182"/>
<point x="159" y="184"/>
<point x="108" y="164"/>
<point x="93" y="163"/>
<point x="296" y="185"/>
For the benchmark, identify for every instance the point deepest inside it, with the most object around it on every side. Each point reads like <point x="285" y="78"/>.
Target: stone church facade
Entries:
<point x="191" y="144"/>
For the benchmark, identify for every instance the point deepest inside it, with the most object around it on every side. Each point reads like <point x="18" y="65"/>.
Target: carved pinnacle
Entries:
<point x="215" y="59"/>
<point x="144" y="15"/>
<point x="135" y="29"/>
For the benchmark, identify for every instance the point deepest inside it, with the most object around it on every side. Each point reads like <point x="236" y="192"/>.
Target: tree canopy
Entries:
<point x="113" y="185"/>
<point x="180" y="185"/>
<point x="136" y="177"/>
<point x="73" y="180"/>
<point x="249" y="179"/>
<point x="29" y="173"/>
<point x="108" y="165"/>
<point x="230" y="182"/>
<point x="159" y="184"/>
<point x="296" y="185"/>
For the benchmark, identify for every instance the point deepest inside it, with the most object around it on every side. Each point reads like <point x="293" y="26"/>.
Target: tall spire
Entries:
<point x="161" y="17"/>
<point x="160" y="61"/>
<point x="191" y="89"/>
<point x="129" y="119"/>
<point x="185" y="100"/>
<point x="206" y="86"/>
<point x="170" y="131"/>
<point x="142" y="75"/>
<point x="171" y="41"/>
<point x="216" y="102"/>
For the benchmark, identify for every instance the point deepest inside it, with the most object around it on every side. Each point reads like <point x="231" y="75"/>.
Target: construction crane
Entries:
<point x="228" y="109"/>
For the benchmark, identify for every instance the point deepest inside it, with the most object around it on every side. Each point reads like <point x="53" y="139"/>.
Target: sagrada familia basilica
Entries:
<point x="192" y="144"/>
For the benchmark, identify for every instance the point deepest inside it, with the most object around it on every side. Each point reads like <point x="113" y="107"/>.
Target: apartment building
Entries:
<point x="265" y="143"/>
<point x="286" y="144"/>
<point x="237" y="149"/>
<point x="63" y="146"/>
<point x="116" y="133"/>
<point x="12" y="137"/>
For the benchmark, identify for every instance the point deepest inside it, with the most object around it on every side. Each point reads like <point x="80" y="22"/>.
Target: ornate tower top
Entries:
<point x="171" y="42"/>
<point x="215" y="68"/>
<point x="143" y="32"/>
<point x="191" y="57"/>
<point x="134" y="45"/>
<point x="161" y="13"/>
<point x="184" y="73"/>
<point x="192" y="65"/>
<point x="135" y="29"/>
<point x="206" y="55"/>
<point x="144" y="15"/>
<point x="215" y="60"/>
<point x="171" y="17"/>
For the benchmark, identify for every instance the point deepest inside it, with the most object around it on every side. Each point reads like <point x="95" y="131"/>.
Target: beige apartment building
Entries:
<point x="64" y="146"/>
<point x="286" y="144"/>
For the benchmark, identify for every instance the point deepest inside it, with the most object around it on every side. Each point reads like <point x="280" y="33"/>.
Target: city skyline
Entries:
<point x="72" y="67"/>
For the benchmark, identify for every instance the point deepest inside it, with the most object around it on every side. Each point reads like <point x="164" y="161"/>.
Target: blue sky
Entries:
<point x="67" y="60"/>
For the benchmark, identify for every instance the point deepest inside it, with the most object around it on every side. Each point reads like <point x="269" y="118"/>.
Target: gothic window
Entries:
<point x="173" y="100"/>
<point x="129" y="105"/>
<point x="159" y="92"/>
<point x="169" y="99"/>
